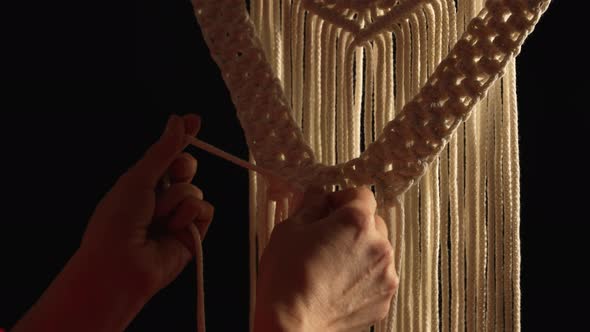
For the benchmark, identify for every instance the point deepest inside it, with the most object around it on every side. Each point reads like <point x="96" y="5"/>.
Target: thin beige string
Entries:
<point x="252" y="257"/>
<point x="499" y="220"/>
<point x="200" y="287"/>
<point x="508" y="202"/>
<point x="298" y="50"/>
<point x="515" y="195"/>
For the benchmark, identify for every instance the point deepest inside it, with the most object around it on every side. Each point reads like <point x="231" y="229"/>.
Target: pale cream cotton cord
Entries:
<point x="200" y="288"/>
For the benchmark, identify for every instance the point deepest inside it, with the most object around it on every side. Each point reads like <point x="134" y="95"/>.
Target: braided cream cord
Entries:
<point x="348" y="93"/>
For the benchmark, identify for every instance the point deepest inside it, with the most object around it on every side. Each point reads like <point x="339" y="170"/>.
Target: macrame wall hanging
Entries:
<point x="415" y="98"/>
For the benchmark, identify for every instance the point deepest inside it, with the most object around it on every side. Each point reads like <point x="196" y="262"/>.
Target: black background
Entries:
<point x="87" y="87"/>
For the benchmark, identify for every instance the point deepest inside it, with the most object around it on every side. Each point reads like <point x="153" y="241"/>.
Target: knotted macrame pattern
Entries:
<point x="415" y="98"/>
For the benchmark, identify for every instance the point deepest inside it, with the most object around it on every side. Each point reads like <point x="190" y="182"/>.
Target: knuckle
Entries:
<point x="390" y="281"/>
<point x="365" y="195"/>
<point x="358" y="216"/>
<point x="192" y="203"/>
<point x="198" y="192"/>
<point x="383" y="250"/>
<point x="208" y="210"/>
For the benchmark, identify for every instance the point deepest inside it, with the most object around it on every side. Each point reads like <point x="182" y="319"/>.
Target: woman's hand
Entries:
<point x="139" y="232"/>
<point x="136" y="243"/>
<point x="328" y="268"/>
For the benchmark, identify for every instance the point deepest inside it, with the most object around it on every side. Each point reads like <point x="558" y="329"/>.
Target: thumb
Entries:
<point x="160" y="155"/>
<point x="313" y="206"/>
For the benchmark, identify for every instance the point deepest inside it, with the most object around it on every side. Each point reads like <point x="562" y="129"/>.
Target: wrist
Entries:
<point x="278" y="318"/>
<point x="83" y="297"/>
<point x="109" y="278"/>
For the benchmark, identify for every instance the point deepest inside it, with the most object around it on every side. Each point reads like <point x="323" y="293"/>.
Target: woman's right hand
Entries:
<point x="330" y="267"/>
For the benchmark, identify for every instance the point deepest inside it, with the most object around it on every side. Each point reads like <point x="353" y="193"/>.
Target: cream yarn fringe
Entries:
<point x="460" y="264"/>
<point x="345" y="93"/>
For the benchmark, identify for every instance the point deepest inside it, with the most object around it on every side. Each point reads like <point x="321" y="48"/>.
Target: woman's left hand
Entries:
<point x="138" y="235"/>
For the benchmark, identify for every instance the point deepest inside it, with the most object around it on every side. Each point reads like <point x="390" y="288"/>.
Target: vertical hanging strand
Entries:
<point x="444" y="225"/>
<point x="461" y="16"/>
<point x="425" y="192"/>
<point x="267" y="35"/>
<point x="317" y="95"/>
<point x="425" y="189"/>
<point x="471" y="191"/>
<point x="410" y="291"/>
<point x="396" y="237"/>
<point x="454" y="231"/>
<point x="434" y="25"/>
<point x="435" y="29"/>
<point x="515" y="196"/>
<point x="325" y="110"/>
<point x="424" y="51"/>
<point x="425" y="249"/>
<point x="499" y="202"/>
<point x="277" y="33"/>
<point x="400" y="45"/>
<point x="415" y="194"/>
<point x="369" y="91"/>
<point x="286" y="27"/>
<point x="491" y="218"/>
<point x="255" y="238"/>
<point x="329" y="107"/>
<point x="380" y="89"/>
<point x="481" y="220"/>
<point x="261" y="214"/>
<point x="484" y="134"/>
<point x="343" y="43"/>
<point x="355" y="149"/>
<point x="252" y="244"/>
<point x="452" y="11"/>
<point x="403" y="317"/>
<point x="455" y="235"/>
<point x="348" y="100"/>
<point x="401" y="264"/>
<point x="308" y="79"/>
<point x="273" y="34"/>
<point x="480" y="236"/>
<point x="416" y="55"/>
<point x="461" y="136"/>
<point x="389" y="79"/>
<point x="411" y="197"/>
<point x="298" y="34"/>
<point x="315" y="84"/>
<point x="507" y="191"/>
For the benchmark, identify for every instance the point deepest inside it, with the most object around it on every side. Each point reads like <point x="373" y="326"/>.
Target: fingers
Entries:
<point x="195" y="211"/>
<point x="171" y="198"/>
<point x="355" y="213"/>
<point x="148" y="171"/>
<point x="192" y="210"/>
<point x="363" y="194"/>
<point x="313" y="206"/>
<point x="355" y="206"/>
<point x="183" y="169"/>
<point x="192" y="124"/>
